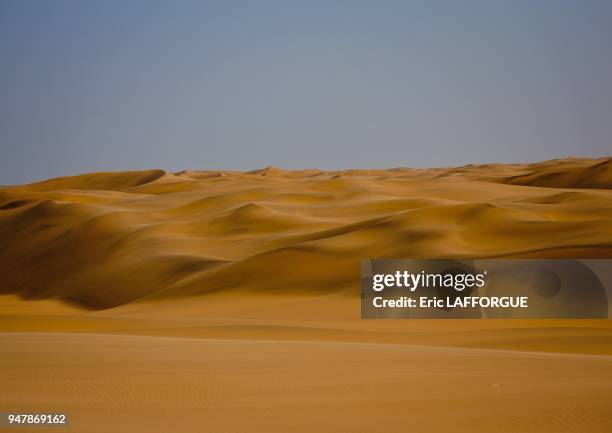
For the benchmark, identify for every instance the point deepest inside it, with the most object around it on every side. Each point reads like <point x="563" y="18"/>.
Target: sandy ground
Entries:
<point x="191" y="365"/>
<point x="229" y="302"/>
<point x="160" y="384"/>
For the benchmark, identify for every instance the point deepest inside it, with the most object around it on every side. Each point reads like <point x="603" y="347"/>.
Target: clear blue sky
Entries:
<point x="115" y="85"/>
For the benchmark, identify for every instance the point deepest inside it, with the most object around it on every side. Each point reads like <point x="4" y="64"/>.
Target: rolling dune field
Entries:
<point x="228" y="301"/>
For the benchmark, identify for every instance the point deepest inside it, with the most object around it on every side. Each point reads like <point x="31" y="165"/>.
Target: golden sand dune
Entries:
<point x="105" y="239"/>
<point x="568" y="174"/>
<point x="229" y="301"/>
<point x="99" y="181"/>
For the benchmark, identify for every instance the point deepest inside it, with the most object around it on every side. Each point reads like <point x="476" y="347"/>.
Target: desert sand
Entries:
<point x="228" y="301"/>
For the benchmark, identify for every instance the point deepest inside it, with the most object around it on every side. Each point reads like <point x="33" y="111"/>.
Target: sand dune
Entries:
<point x="229" y="301"/>
<point x="114" y="181"/>
<point x="104" y="239"/>
<point x="567" y="174"/>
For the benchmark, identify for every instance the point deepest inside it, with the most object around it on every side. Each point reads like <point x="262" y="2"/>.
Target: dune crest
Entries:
<point x="113" y="181"/>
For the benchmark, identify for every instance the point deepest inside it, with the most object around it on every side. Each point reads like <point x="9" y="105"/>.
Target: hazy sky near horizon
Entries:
<point x="117" y="85"/>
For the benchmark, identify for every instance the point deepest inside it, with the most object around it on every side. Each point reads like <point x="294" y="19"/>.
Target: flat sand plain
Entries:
<point x="229" y="301"/>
